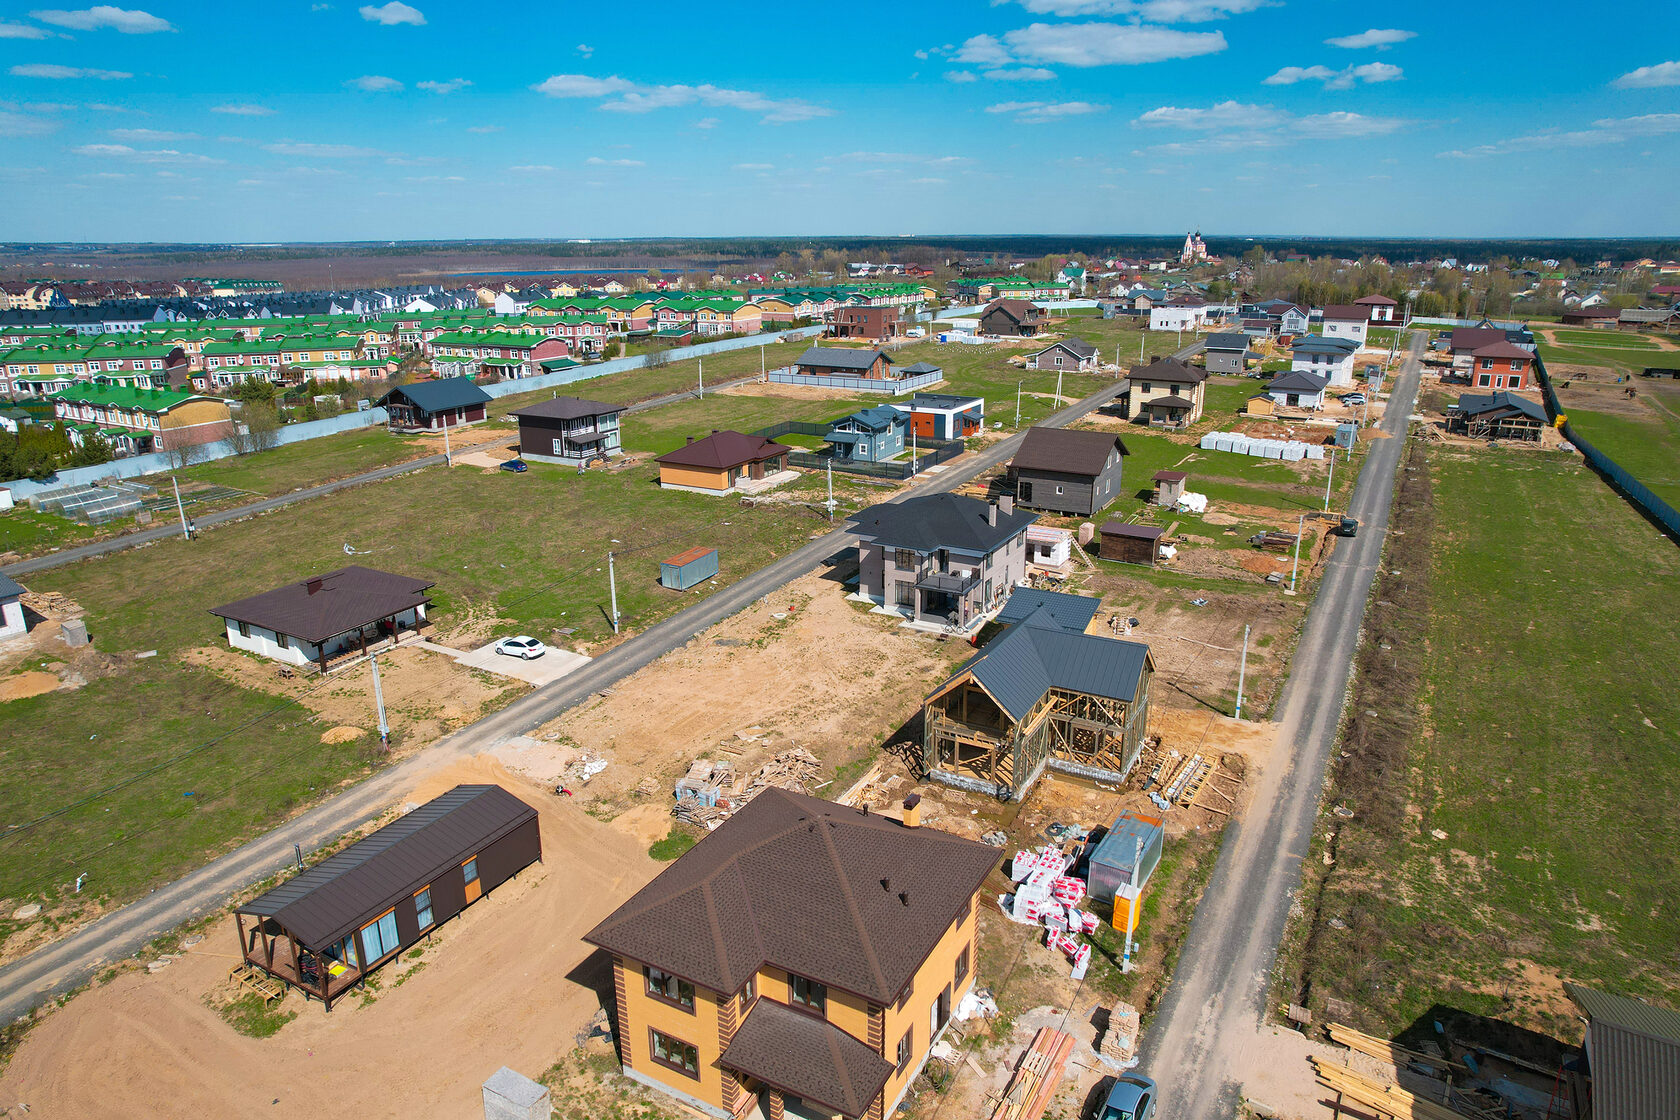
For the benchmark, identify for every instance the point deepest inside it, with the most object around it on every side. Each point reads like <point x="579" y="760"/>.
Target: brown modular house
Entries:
<point x="874" y="323"/>
<point x="326" y="928"/>
<point x="1068" y="354"/>
<point x="1044" y="693"/>
<point x="1067" y="471"/>
<point x="1130" y="544"/>
<point x="1015" y="318"/>
<point x="841" y="361"/>
<point x="326" y="619"/>
<point x="569" y="430"/>
<point x="800" y="961"/>
<point x="721" y="462"/>
<point x="434" y="405"/>
<point x="1166" y="392"/>
<point x="943" y="559"/>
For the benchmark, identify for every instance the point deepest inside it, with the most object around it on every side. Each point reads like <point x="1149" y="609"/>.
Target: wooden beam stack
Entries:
<point x="1393" y="1053"/>
<point x="1385" y="1098"/>
<point x="1036" y="1076"/>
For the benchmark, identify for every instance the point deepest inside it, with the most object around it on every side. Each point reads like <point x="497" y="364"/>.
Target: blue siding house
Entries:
<point x="874" y="435"/>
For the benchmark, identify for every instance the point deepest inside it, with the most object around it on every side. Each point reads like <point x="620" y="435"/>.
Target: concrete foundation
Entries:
<point x="513" y="1096"/>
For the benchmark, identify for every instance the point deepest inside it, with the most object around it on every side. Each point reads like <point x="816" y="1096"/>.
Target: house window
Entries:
<point x="244" y="629"/>
<point x="674" y="1054"/>
<point x="961" y="973"/>
<point x="1483" y="380"/>
<point x="905" y="1050"/>
<point x="807" y="994"/>
<point x="379" y="936"/>
<point x="666" y="988"/>
<point x="1516" y="363"/>
<point x="904" y="996"/>
<point x="423" y="906"/>
<point x="749" y="992"/>
<point x="905" y="558"/>
<point x="1058" y="491"/>
<point x="469" y="871"/>
<point x="1487" y="363"/>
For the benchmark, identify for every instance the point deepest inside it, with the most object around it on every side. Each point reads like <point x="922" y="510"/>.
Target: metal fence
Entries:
<point x="896" y="386"/>
<point x="1613" y="472"/>
<point x="930" y="454"/>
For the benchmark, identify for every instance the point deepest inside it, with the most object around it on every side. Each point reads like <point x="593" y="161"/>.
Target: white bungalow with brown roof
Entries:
<point x="328" y="618"/>
<point x="1069" y="354"/>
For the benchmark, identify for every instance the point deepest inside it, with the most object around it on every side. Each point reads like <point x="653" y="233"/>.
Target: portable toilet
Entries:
<point x="1121" y="864"/>
<point x="686" y="569"/>
<point x="1346" y="435"/>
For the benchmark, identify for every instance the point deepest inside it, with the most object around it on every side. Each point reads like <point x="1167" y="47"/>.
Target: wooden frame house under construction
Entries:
<point x="1042" y="694"/>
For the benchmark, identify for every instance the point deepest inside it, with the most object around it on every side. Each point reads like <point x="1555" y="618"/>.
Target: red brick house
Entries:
<point x="874" y="323"/>
<point x="1500" y="365"/>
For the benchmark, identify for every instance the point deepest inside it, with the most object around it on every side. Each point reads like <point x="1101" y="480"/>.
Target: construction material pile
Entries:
<point x="1191" y="502"/>
<point x="1047" y="895"/>
<point x="1117" y="1046"/>
<point x="711" y="791"/>
<point x="1036" y="1077"/>
<point x="1289" y="450"/>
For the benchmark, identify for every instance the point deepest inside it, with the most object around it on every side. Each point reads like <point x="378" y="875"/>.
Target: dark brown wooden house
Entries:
<point x="569" y="430"/>
<point x="1130" y="544"/>
<point x="874" y="323"/>
<point x="1068" y="471"/>
<point x="1015" y="318"/>
<point x="325" y="929"/>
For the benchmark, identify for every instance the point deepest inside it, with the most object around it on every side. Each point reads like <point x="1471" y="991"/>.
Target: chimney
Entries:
<point x="913" y="811"/>
<point x="1006" y="504"/>
<point x="904" y="897"/>
<point x="991" y="514"/>
<point x="690" y="439"/>
<point x="312" y="585"/>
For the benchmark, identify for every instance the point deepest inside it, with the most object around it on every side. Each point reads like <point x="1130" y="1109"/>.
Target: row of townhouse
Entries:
<point x="983" y="289"/>
<point x="510" y="354"/>
<point x="42" y="368"/>
<point x="136" y="418"/>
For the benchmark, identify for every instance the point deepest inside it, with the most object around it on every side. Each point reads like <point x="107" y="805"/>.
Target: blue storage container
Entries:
<point x="683" y="571"/>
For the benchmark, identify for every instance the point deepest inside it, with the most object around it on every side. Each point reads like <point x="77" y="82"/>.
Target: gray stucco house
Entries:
<point x="943" y="559"/>
<point x="873" y="435"/>
<point x="1067" y="471"/>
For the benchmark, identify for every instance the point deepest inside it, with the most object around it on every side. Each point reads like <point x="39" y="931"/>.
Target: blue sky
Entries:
<point x="315" y="121"/>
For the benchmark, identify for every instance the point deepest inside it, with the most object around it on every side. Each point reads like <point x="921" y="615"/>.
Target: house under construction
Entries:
<point x="1043" y="693"/>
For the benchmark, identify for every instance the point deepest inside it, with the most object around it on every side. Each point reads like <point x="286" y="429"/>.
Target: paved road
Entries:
<point x="63" y="964"/>
<point x="205" y="521"/>
<point x="1219" y="989"/>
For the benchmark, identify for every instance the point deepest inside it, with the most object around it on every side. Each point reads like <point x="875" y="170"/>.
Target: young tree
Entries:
<point x="262" y="427"/>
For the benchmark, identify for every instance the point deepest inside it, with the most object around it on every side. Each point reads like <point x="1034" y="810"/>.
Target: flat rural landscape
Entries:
<point x="515" y="603"/>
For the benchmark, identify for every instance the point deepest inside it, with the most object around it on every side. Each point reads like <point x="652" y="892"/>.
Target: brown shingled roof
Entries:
<point x="323" y="607"/>
<point x="807" y="1057"/>
<point x="1169" y="370"/>
<point x="723" y="449"/>
<point x="847" y="898"/>
<point x="1067" y="450"/>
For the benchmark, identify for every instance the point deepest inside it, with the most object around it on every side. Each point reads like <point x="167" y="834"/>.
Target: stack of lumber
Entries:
<point x="793" y="769"/>
<point x="1382" y="1097"/>
<point x="1036" y="1076"/>
<point x="1398" y="1056"/>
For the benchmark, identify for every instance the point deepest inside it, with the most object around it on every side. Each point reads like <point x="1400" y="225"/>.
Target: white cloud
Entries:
<point x="753" y="167"/>
<point x="1159" y="11"/>
<point x="1650" y="77"/>
<point x="921" y="55"/>
<point x="1346" y="78"/>
<point x="599" y="162"/>
<point x="1021" y="74"/>
<point x="321" y="151"/>
<point x="532" y="167"/>
<point x="13" y="124"/>
<point x="22" y="31"/>
<point x="151" y="135"/>
<point x="900" y="157"/>
<point x="374" y="83"/>
<point x="1344" y="126"/>
<point x="243" y="110"/>
<point x="1224" y="115"/>
<point x="928" y="180"/>
<point x="1090" y="44"/>
<point x="1233" y="125"/>
<point x="104" y="17"/>
<point x="706" y="122"/>
<point x="960" y="76"/>
<point x="630" y="97"/>
<point x="1608" y="130"/>
<point x="481" y="128"/>
<point x="585" y="49"/>
<point x="53" y="70"/>
<point x="141" y="155"/>
<point x="1042" y="112"/>
<point x="1377" y="37"/>
<point x="392" y="14"/>
<point x="449" y="86"/>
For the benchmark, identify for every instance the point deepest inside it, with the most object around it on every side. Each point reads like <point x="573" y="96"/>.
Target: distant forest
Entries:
<point x="721" y="250"/>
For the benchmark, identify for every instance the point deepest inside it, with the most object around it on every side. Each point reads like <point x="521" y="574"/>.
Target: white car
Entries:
<point x="522" y="646"/>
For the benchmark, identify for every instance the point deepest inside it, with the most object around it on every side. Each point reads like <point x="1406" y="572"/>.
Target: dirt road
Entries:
<point x="1206" y="1042"/>
<point x="57" y="967"/>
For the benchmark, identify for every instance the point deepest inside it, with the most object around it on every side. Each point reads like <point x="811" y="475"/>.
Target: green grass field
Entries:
<point x="1648" y="448"/>
<point x="530" y="548"/>
<point x="28" y="533"/>
<point x="1619" y="352"/>
<point x="308" y="463"/>
<point x="1527" y="830"/>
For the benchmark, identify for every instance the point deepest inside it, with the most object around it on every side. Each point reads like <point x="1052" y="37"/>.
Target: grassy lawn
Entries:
<point x="28" y="533"/>
<point x="306" y="464"/>
<point x="1607" y="340"/>
<point x="1648" y="448"/>
<point x="1617" y="352"/>
<point x="528" y="549"/>
<point x="1525" y="827"/>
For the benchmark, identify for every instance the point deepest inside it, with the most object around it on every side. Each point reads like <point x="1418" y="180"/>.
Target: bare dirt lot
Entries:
<point x="502" y="985"/>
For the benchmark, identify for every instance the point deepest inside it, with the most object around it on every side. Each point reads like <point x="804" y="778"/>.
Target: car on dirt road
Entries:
<point x="523" y="646"/>
<point x="516" y="466"/>
<point x="1132" y="1098"/>
<point x="1353" y="398"/>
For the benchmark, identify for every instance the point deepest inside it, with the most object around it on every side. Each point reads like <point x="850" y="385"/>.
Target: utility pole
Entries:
<point x="180" y="509"/>
<point x="829" y="505"/>
<point x="761" y="370"/>
<point x="1017" y="406"/>
<point x="1058" y="388"/>
<point x="448" y="460"/>
<point x="612" y="589"/>
<point x="379" y="702"/>
<point x="1300" y="531"/>
<point x="1331" y="477"/>
<point x="1242" y="668"/>
<point x="702" y="393"/>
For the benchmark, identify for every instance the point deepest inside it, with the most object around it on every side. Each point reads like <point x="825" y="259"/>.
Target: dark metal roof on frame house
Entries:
<point x="1067" y="451"/>
<point x="568" y="408"/>
<point x="724" y="449"/>
<point x="325" y="606"/>
<point x="439" y="396"/>
<point x="1633" y="1056"/>
<point x="936" y="521"/>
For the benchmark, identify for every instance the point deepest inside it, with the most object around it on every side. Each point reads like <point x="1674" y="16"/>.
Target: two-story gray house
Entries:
<point x="1067" y="471"/>
<point x="943" y="559"/>
<point x="873" y="435"/>
<point x="569" y="430"/>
